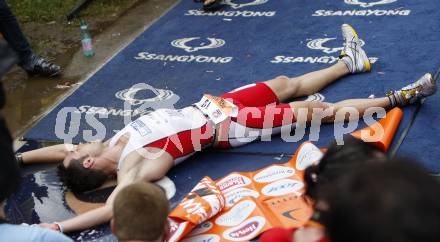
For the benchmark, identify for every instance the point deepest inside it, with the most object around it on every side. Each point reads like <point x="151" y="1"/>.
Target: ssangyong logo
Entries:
<point x="318" y="44"/>
<point x="235" y="5"/>
<point x="366" y="9"/>
<point x="134" y="104"/>
<point x="245" y="231"/>
<point x="129" y="95"/>
<point x="368" y="4"/>
<point x="321" y="44"/>
<point x="315" y="97"/>
<point x="237" y="9"/>
<point x="183" y="44"/>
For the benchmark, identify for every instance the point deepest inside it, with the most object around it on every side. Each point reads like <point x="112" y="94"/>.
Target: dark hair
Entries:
<point x="9" y="172"/>
<point x="338" y="159"/>
<point x="395" y="201"/>
<point x="80" y="179"/>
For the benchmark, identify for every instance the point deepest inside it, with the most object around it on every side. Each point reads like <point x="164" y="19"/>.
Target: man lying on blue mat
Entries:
<point x="147" y="148"/>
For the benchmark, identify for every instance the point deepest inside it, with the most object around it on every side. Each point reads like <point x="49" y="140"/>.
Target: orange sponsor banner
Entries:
<point x="203" y="202"/>
<point x="254" y="202"/>
<point x="382" y="132"/>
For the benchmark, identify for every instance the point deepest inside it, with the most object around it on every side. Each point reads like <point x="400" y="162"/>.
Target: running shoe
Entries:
<point x="424" y="87"/>
<point x="352" y="54"/>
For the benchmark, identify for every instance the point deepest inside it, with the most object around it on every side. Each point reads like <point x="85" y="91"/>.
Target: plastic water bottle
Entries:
<point x="86" y="40"/>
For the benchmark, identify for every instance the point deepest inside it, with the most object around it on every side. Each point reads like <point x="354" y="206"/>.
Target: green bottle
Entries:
<point x="86" y="40"/>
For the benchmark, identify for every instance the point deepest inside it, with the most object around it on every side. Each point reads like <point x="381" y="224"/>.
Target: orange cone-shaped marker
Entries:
<point x="382" y="132"/>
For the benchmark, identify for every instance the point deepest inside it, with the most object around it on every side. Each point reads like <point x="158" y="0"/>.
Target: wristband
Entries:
<point x="57" y="226"/>
<point x="19" y="159"/>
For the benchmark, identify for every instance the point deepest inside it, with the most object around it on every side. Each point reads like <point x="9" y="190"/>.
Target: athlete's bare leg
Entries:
<point x="422" y="88"/>
<point x="287" y="88"/>
<point x="330" y="109"/>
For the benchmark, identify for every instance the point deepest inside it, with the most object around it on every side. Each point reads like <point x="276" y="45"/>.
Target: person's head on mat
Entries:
<point x="338" y="160"/>
<point x="140" y="213"/>
<point x="84" y="168"/>
<point x="395" y="201"/>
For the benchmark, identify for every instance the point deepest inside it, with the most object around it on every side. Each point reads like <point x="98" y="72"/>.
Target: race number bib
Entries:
<point x="217" y="108"/>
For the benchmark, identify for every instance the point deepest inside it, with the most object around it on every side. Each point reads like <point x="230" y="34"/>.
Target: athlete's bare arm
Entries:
<point x="55" y="153"/>
<point x="50" y="154"/>
<point x="136" y="167"/>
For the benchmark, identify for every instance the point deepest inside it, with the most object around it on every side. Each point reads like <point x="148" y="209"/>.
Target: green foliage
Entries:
<point x="54" y="10"/>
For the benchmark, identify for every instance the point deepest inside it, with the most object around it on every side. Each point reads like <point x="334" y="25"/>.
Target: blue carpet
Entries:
<point x="257" y="41"/>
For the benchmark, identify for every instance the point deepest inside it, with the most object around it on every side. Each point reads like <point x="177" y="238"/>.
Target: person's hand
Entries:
<point x="52" y="226"/>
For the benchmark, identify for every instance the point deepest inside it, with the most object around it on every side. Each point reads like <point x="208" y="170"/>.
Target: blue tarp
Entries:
<point x="190" y="52"/>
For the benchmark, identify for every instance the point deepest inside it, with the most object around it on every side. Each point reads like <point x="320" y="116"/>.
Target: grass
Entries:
<point x="37" y="14"/>
<point x="42" y="11"/>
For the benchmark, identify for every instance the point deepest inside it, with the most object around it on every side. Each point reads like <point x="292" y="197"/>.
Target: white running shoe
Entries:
<point x="424" y="87"/>
<point x="353" y="55"/>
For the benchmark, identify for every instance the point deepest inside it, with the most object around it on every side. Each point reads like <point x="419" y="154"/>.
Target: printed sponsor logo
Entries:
<point x="307" y="156"/>
<point x="140" y="127"/>
<point x="183" y="43"/>
<point x="203" y="238"/>
<point x="176" y="230"/>
<point x="235" y="5"/>
<point x="368" y="4"/>
<point x="233" y="181"/>
<point x="234" y="196"/>
<point x="202" y="228"/>
<point x="364" y="12"/>
<point x="109" y="111"/>
<point x="288" y="214"/>
<point x="221" y="13"/>
<point x="316" y="44"/>
<point x="315" y="97"/>
<point x="246" y="231"/>
<point x="129" y="95"/>
<point x="237" y="214"/>
<point x="235" y="13"/>
<point x="162" y="98"/>
<point x="282" y="187"/>
<point x="274" y="173"/>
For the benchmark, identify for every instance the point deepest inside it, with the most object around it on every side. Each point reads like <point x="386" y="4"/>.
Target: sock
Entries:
<point x="397" y="99"/>
<point x="347" y="61"/>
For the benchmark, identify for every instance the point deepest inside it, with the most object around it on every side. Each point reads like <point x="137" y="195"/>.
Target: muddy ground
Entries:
<point x="29" y="98"/>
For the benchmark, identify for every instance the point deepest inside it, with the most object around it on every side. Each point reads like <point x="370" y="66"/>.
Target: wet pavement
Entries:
<point x="29" y="98"/>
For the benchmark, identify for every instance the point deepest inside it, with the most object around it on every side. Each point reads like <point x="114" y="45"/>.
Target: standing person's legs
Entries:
<point x="12" y="33"/>
<point x="28" y="60"/>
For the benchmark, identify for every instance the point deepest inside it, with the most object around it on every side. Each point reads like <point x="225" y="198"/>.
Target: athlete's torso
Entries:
<point x="156" y="125"/>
